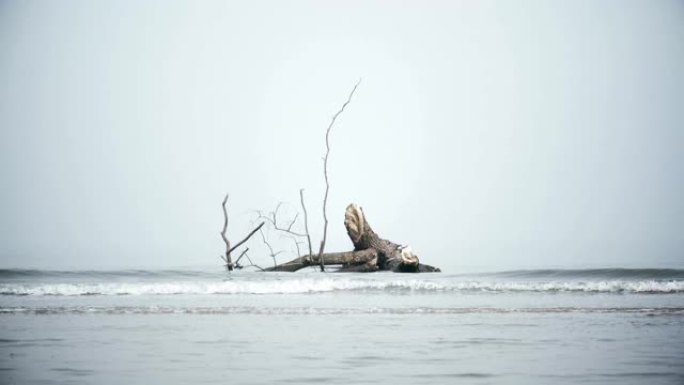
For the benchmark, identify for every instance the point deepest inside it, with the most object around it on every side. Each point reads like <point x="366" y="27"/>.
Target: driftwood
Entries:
<point x="371" y="253"/>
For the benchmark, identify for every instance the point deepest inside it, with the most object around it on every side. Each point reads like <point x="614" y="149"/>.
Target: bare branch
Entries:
<point x="252" y="263"/>
<point x="273" y="254"/>
<point x="228" y="259"/>
<point x="272" y="218"/>
<point x="306" y="220"/>
<point x="248" y="236"/>
<point x="296" y="243"/>
<point x="289" y="228"/>
<point x="325" y="174"/>
<point x="237" y="261"/>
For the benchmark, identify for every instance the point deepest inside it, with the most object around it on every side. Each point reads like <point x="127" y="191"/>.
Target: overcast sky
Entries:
<point x="486" y="134"/>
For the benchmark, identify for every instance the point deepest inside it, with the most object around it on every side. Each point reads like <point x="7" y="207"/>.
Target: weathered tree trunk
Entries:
<point x="344" y="258"/>
<point x="371" y="253"/>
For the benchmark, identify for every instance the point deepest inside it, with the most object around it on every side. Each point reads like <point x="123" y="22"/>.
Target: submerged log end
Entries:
<point x="408" y="262"/>
<point x="407" y="256"/>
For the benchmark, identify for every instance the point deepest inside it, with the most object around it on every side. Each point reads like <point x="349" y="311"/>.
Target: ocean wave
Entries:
<point x="607" y="273"/>
<point x="549" y="274"/>
<point x="338" y="284"/>
<point x="330" y="310"/>
<point x="103" y="274"/>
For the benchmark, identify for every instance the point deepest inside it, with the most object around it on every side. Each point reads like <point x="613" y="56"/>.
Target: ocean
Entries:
<point x="208" y="326"/>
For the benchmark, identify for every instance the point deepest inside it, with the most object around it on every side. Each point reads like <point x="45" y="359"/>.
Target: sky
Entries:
<point x="487" y="135"/>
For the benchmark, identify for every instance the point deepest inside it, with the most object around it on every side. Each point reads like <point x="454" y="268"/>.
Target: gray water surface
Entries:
<point x="252" y="328"/>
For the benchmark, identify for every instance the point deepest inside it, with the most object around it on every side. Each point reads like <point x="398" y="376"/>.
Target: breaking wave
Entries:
<point x="340" y="284"/>
<point x="606" y="274"/>
<point x="331" y="310"/>
<point x="613" y="273"/>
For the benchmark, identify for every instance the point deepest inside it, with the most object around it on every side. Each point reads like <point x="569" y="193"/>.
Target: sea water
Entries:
<point x="605" y="326"/>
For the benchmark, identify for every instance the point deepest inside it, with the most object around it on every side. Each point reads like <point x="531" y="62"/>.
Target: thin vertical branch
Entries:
<point x="306" y="221"/>
<point x="325" y="174"/>
<point x="297" y="243"/>
<point x="227" y="258"/>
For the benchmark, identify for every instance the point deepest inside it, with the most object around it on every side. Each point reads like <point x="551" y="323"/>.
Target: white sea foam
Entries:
<point x="330" y="310"/>
<point x="321" y="285"/>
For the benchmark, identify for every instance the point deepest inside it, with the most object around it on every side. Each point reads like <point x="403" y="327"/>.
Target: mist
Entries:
<point x="487" y="135"/>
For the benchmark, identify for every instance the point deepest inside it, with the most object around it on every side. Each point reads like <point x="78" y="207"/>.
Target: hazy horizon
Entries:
<point x="487" y="135"/>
